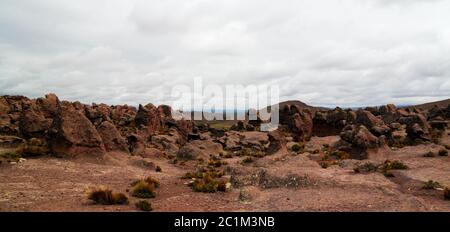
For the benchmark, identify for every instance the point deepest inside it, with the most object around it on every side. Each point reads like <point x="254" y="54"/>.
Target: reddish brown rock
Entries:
<point x="33" y="122"/>
<point x="136" y="144"/>
<point x="47" y="105"/>
<point x="276" y="142"/>
<point x="148" y="119"/>
<point x="360" y="137"/>
<point x="417" y="127"/>
<point x="72" y="134"/>
<point x="389" y="113"/>
<point x="298" y="121"/>
<point x="366" y="118"/>
<point x="111" y="137"/>
<point x="98" y="113"/>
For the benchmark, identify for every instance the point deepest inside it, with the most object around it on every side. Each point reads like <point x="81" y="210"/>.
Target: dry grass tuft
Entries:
<point x="105" y="196"/>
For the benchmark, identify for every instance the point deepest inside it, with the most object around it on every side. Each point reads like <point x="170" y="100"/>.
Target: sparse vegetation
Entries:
<point x="296" y="148"/>
<point x="247" y="160"/>
<point x="158" y="169"/>
<point x="385" y="168"/>
<point x="11" y="156"/>
<point x="393" y="165"/>
<point x="145" y="188"/>
<point x="388" y="173"/>
<point x="33" y="147"/>
<point x="215" y="161"/>
<point x="105" y="196"/>
<point x="431" y="185"/>
<point x="208" y="185"/>
<point x="366" y="167"/>
<point x="443" y="152"/>
<point x="144" y="205"/>
<point x="429" y="154"/>
<point x="340" y="155"/>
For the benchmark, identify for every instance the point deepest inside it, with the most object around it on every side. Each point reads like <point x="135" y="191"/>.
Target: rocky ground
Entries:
<point x="54" y="153"/>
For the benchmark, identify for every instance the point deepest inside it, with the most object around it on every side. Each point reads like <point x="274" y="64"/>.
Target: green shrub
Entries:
<point x="296" y="148"/>
<point x="144" y="205"/>
<point x="431" y="185"/>
<point x="107" y="197"/>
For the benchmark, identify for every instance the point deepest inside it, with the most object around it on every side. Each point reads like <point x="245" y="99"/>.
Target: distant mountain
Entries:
<point x="429" y="105"/>
<point x="300" y="104"/>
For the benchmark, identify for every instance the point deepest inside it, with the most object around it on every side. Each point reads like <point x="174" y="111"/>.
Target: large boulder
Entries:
<point x="10" y="112"/>
<point x="73" y="135"/>
<point x="298" y="121"/>
<point x="417" y="127"/>
<point x="98" y="113"/>
<point x="366" y="118"/>
<point x="276" y="142"/>
<point x="359" y="136"/>
<point x="111" y="137"/>
<point x="388" y="113"/>
<point x="47" y="105"/>
<point x="33" y="122"/>
<point x="148" y="119"/>
<point x="199" y="149"/>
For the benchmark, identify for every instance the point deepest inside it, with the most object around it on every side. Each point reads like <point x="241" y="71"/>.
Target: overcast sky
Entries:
<point x="322" y="52"/>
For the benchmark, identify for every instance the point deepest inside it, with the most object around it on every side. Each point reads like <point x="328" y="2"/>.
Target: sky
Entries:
<point x="322" y="52"/>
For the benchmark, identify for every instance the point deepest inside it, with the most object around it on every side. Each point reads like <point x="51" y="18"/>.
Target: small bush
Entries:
<point x="431" y="185"/>
<point x="392" y="165"/>
<point x="366" y="167"/>
<point x="388" y="173"/>
<point x="429" y="154"/>
<point x="208" y="185"/>
<point x="443" y="152"/>
<point x="447" y="194"/>
<point x="247" y="160"/>
<point x="296" y="148"/>
<point x="34" y="147"/>
<point x="107" y="197"/>
<point x="341" y="155"/>
<point x="192" y="175"/>
<point x="327" y="163"/>
<point x="216" y="163"/>
<point x="142" y="189"/>
<point x="144" y="205"/>
<point x="12" y="156"/>
<point x="158" y="169"/>
<point x="228" y="156"/>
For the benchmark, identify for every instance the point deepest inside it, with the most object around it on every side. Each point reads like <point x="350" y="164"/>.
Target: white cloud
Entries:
<point x="324" y="52"/>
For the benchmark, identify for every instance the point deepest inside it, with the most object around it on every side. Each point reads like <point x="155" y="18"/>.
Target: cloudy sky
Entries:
<point x="322" y="52"/>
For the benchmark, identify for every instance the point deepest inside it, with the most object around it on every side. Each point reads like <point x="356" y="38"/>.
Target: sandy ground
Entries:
<point x="53" y="184"/>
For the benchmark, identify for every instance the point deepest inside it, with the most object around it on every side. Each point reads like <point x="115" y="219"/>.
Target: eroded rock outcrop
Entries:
<point x="297" y="121"/>
<point x="72" y="134"/>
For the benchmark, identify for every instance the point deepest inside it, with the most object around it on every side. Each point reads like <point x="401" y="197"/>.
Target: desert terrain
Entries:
<point x="68" y="156"/>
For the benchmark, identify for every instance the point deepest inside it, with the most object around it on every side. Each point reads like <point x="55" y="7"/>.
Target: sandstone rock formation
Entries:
<point x="72" y="134"/>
